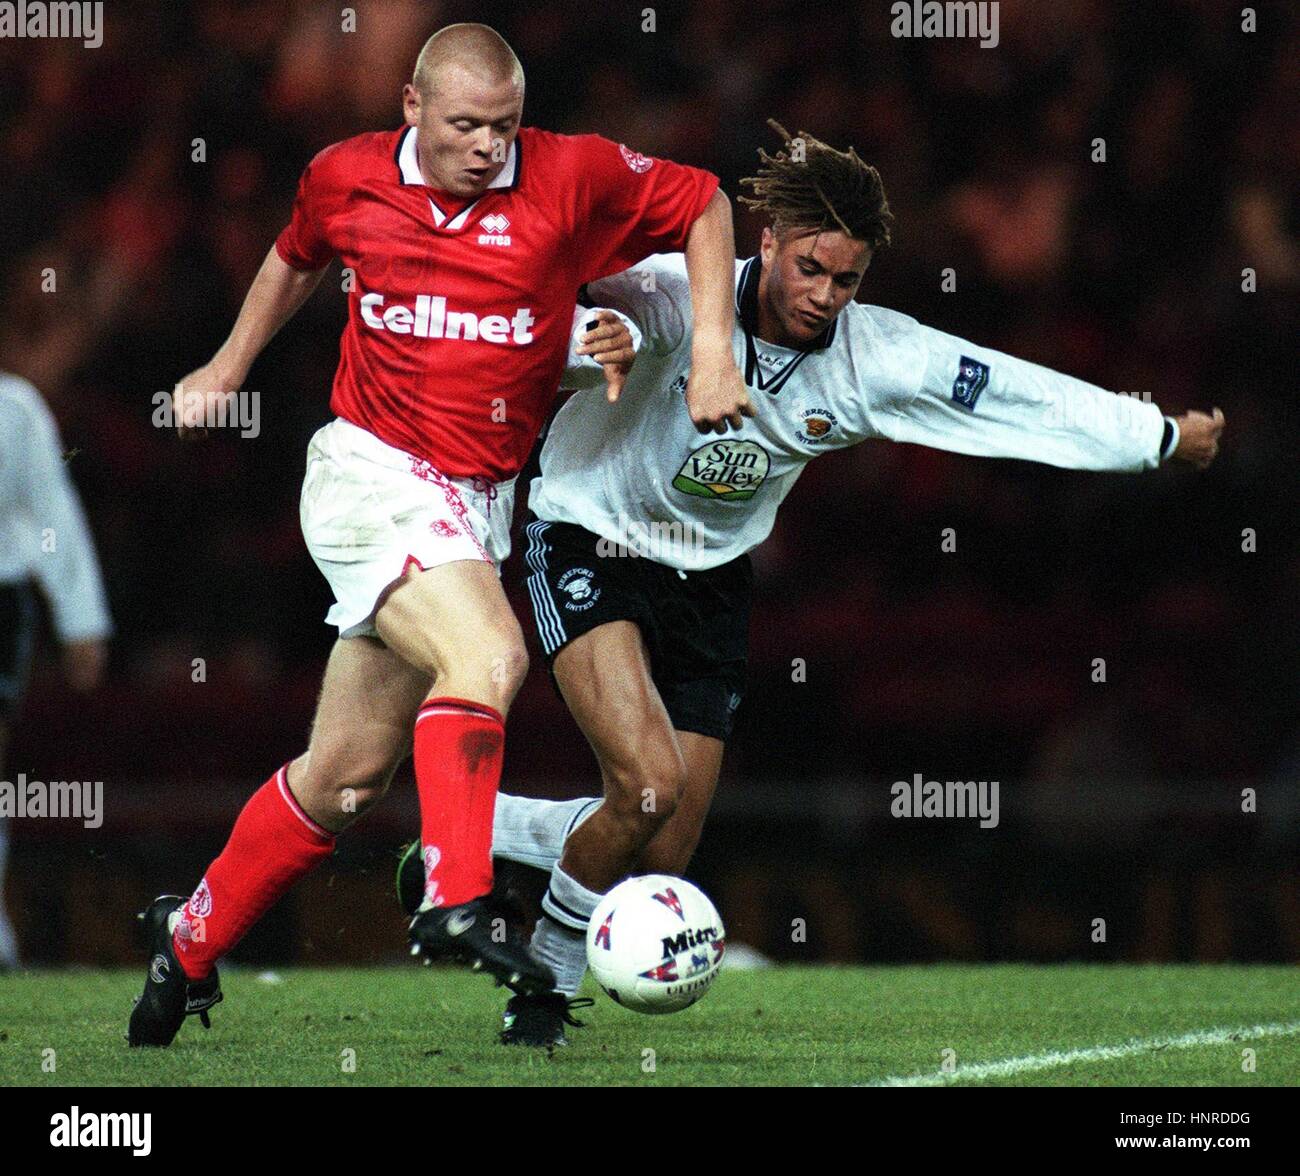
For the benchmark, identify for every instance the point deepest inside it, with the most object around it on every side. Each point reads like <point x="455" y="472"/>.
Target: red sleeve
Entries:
<point x="632" y="205"/>
<point x="302" y="244"/>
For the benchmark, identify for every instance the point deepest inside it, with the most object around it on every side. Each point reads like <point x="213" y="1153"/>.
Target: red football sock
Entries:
<point x="273" y="844"/>
<point x="459" y="746"/>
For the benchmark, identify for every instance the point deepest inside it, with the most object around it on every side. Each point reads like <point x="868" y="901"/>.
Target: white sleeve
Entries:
<point x="971" y="399"/>
<point x="582" y="371"/>
<point x="652" y="294"/>
<point x="66" y="566"/>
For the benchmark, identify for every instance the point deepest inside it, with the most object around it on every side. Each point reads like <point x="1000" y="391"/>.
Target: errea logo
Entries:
<point x="495" y="225"/>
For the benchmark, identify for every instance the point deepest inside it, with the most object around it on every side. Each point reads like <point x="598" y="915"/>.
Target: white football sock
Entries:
<point x="564" y="950"/>
<point x="533" y="831"/>
<point x="561" y="935"/>
<point x="8" y="941"/>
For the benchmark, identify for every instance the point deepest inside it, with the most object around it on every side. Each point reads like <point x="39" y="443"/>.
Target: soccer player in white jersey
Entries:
<point x="44" y="540"/>
<point x="649" y="653"/>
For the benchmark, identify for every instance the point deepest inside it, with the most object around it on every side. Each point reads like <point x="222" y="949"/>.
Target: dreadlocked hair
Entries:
<point x="821" y="189"/>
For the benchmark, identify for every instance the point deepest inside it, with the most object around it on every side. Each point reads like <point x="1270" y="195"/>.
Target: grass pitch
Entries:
<point x="1006" y="1025"/>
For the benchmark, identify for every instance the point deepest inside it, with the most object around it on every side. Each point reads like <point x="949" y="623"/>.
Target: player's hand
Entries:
<point x="1198" y="437"/>
<point x="716" y="396"/>
<point x="84" y="663"/>
<point x="610" y="344"/>
<point x="198" y="396"/>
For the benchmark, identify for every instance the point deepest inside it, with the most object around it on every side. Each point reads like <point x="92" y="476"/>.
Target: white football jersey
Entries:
<point x="638" y="474"/>
<point x="43" y="531"/>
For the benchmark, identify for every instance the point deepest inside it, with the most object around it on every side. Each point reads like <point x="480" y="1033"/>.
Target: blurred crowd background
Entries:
<point x="1120" y="799"/>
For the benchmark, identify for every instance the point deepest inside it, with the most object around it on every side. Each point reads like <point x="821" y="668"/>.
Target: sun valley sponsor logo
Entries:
<point x="80" y="1128"/>
<point x="430" y="319"/>
<point x="494" y="227"/>
<point x="731" y="470"/>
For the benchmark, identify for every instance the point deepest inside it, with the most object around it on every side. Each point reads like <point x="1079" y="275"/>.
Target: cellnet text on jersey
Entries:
<point x="430" y="319"/>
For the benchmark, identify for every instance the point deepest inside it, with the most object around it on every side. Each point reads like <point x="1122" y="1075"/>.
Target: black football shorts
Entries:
<point x="695" y="624"/>
<point x="18" y="615"/>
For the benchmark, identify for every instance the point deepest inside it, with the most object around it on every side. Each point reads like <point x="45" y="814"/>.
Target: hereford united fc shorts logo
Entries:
<point x="578" y="584"/>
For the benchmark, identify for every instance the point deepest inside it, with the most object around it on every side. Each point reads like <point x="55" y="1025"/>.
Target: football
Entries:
<point x="655" y="943"/>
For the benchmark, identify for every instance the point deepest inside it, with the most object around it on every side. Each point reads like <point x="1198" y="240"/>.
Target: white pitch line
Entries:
<point x="1010" y="1067"/>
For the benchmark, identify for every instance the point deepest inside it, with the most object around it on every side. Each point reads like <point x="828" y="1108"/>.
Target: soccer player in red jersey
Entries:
<point x="467" y="238"/>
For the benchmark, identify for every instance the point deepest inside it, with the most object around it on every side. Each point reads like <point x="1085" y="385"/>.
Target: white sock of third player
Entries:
<point x="8" y="942"/>
<point x="560" y="939"/>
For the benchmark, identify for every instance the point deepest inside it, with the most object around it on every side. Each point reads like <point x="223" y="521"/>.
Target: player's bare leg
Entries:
<point x="671" y="849"/>
<point x="533" y="832"/>
<point x="605" y="678"/>
<point x="453" y="622"/>
<point x="361" y="732"/>
<point x="659" y="783"/>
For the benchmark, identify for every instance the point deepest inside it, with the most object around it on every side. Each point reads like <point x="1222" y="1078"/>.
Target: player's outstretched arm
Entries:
<point x="974" y="400"/>
<point x="715" y="393"/>
<point x="1198" y="437"/>
<point x="277" y="292"/>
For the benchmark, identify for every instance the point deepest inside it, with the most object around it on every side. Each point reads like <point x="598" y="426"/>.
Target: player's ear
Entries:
<point x="767" y="247"/>
<point x="411" y="105"/>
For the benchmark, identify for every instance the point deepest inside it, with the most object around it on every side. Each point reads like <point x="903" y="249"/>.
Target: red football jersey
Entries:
<point x="459" y="317"/>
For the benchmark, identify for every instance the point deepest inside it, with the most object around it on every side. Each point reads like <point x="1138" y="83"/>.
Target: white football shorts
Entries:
<point x="370" y="511"/>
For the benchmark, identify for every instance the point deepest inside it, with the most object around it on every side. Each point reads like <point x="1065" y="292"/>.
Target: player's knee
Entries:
<point x="648" y="797"/>
<point x="490" y="670"/>
<point x="508" y="667"/>
<point x="347" y="783"/>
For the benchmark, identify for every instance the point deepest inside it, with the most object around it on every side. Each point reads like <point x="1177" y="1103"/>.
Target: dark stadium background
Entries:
<point x="1119" y="801"/>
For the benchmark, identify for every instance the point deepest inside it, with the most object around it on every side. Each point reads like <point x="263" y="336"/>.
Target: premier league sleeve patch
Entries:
<point x="972" y="379"/>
